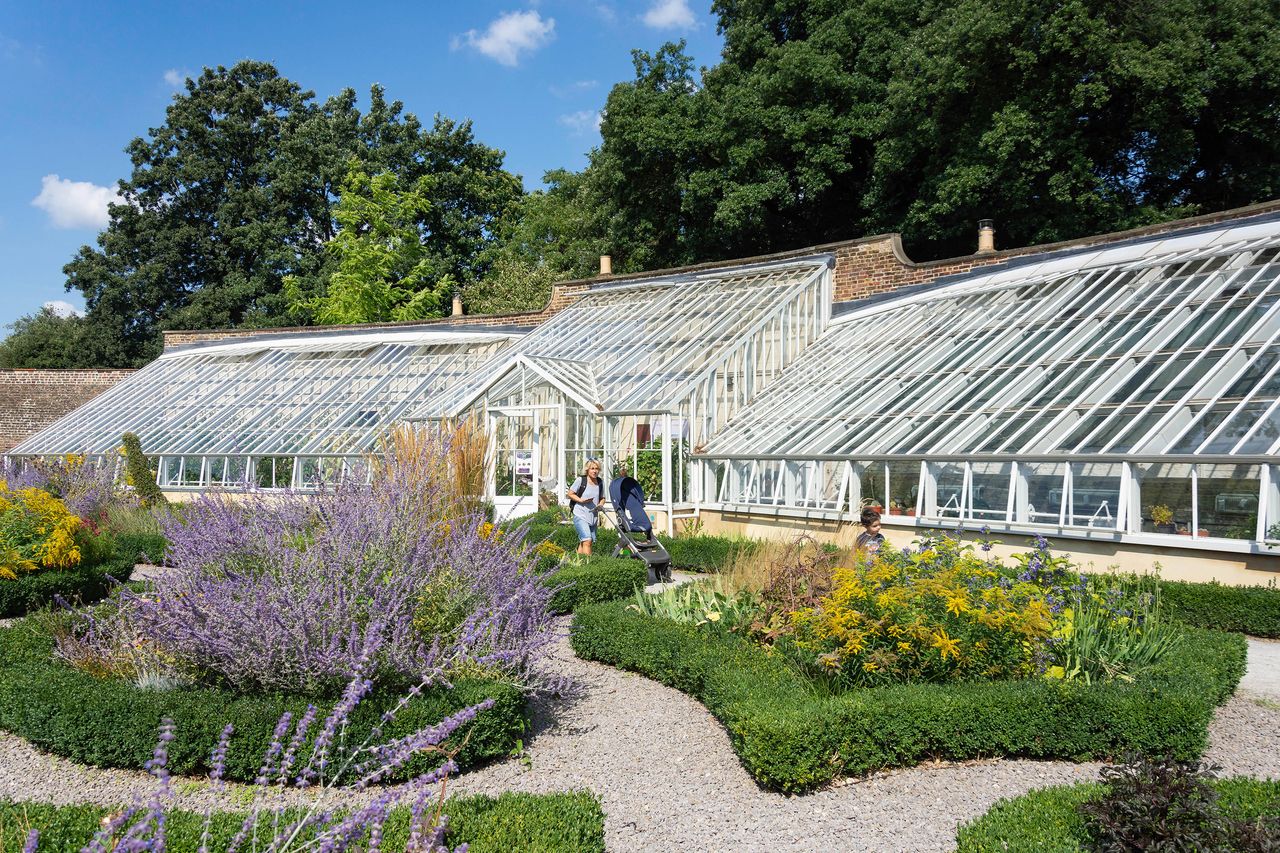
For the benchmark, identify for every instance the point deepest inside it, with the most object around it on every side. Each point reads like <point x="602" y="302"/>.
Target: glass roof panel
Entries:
<point x="300" y="395"/>
<point x="648" y="343"/>
<point x="1121" y="352"/>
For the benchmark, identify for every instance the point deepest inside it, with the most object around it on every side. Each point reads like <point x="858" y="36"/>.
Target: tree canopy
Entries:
<point x="237" y="191"/>
<point x="827" y="119"/>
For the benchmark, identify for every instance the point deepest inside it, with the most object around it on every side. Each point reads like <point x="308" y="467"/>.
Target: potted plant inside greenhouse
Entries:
<point x="1162" y="519"/>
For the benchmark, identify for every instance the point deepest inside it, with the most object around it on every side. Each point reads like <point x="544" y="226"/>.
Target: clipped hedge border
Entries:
<point x="1048" y="819"/>
<point x="82" y="583"/>
<point x="112" y="723"/>
<point x="691" y="553"/>
<point x="1253" y="610"/>
<point x="791" y="739"/>
<point x="601" y="579"/>
<point x="512" y="821"/>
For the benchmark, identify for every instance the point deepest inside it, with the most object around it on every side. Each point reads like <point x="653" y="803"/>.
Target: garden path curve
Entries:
<point x="670" y="780"/>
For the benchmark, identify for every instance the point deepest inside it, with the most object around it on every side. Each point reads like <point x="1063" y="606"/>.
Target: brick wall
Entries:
<point x="30" y="400"/>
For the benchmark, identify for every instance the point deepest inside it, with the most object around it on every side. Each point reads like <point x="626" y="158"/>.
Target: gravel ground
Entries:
<point x="669" y="779"/>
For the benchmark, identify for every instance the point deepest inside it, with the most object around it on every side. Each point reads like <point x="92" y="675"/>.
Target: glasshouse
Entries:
<point x="1123" y="390"/>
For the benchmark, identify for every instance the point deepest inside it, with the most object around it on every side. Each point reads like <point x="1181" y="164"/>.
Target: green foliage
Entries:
<point x="826" y="119"/>
<point x="236" y="190"/>
<point x="542" y="823"/>
<point x="1253" y="610"/>
<point x="46" y="340"/>
<point x="940" y="614"/>
<point x="140" y="473"/>
<point x="1108" y="636"/>
<point x="511" y="286"/>
<point x="700" y="603"/>
<point x="1049" y="819"/>
<point x="112" y="723"/>
<point x="705" y="553"/>
<point x="598" y="579"/>
<point x="41" y="589"/>
<point x="559" y="229"/>
<point x="791" y="738"/>
<point x="382" y="269"/>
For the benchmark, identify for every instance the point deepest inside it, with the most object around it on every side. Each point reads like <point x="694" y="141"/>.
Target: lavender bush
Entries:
<point x="277" y="592"/>
<point x="326" y="822"/>
<point x="88" y="487"/>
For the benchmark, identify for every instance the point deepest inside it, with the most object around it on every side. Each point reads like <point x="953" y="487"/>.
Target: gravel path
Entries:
<point x="669" y="779"/>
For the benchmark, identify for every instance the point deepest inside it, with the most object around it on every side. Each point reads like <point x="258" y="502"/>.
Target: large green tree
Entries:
<point x="236" y="190"/>
<point x="830" y="118"/>
<point x="382" y="269"/>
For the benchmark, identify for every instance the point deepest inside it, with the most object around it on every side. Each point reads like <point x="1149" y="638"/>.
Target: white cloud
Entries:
<point x="575" y="88"/>
<point x="62" y="308"/>
<point x="74" y="204"/>
<point x="669" y="15"/>
<point x="582" y="122"/>
<point x="175" y="78"/>
<point x="509" y="36"/>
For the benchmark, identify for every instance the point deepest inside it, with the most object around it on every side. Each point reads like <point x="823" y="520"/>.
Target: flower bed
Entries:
<point x="112" y="723"/>
<point x="539" y="823"/>
<point x="792" y="738"/>
<point x="1049" y="819"/>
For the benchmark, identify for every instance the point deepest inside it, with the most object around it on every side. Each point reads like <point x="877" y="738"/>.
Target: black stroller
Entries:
<point x="635" y="531"/>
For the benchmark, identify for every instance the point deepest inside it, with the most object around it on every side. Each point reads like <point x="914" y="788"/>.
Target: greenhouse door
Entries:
<point x="524" y="444"/>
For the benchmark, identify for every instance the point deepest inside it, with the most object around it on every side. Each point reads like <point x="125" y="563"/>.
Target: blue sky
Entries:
<point x="78" y="81"/>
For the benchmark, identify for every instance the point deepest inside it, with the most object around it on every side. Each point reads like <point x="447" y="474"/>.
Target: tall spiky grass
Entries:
<point x="415" y="451"/>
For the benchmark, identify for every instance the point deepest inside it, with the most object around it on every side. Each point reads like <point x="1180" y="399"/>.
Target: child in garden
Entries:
<point x="870" y="539"/>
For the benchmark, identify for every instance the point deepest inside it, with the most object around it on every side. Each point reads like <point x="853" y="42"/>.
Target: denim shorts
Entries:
<point x="585" y="529"/>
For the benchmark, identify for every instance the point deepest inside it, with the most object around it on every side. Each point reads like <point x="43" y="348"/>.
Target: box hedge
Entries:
<point x="112" y="723"/>
<point x="83" y="583"/>
<point x="600" y="579"/>
<point x="1048" y="819"/>
<point x="1253" y="610"/>
<point x="541" y="823"/>
<point x="791" y="738"/>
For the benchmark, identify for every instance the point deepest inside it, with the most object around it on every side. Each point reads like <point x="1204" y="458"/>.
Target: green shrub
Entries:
<point x="1049" y="819"/>
<point x="141" y="547"/>
<point x="140" y="473"/>
<point x="600" y="579"/>
<point x="792" y="739"/>
<point x="112" y="723"/>
<point x="84" y="583"/>
<point x="704" y="553"/>
<point x="1253" y="610"/>
<point x="541" y="823"/>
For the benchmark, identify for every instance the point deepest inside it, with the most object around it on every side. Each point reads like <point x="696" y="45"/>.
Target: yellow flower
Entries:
<point x="870" y="666"/>
<point x="957" y="604"/>
<point x="946" y="645"/>
<point x="904" y="647"/>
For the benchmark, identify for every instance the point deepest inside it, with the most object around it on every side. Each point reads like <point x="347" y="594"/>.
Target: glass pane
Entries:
<point x="1166" y="498"/>
<point x="904" y="487"/>
<point x="990" y="499"/>
<point x="1043" y="482"/>
<point x="950" y="483"/>
<point x="1095" y="494"/>
<point x="1227" y="500"/>
<point x="871" y="480"/>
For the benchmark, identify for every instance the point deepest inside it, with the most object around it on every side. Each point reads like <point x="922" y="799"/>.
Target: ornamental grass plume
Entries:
<point x="271" y="591"/>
